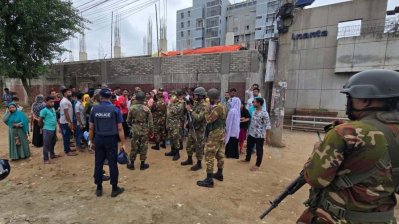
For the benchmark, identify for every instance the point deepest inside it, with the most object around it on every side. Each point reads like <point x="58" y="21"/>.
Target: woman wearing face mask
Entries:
<point x="18" y="131"/>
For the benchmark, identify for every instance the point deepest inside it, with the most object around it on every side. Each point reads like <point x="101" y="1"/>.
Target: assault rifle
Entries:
<point x="190" y="119"/>
<point x="290" y="190"/>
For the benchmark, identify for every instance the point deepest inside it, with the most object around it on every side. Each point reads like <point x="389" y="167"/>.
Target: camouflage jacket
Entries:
<point x="140" y="117"/>
<point x="217" y="114"/>
<point x="175" y="114"/>
<point x="158" y="110"/>
<point x="199" y="113"/>
<point x="353" y="147"/>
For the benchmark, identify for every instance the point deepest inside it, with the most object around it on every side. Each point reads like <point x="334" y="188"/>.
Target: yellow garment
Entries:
<point x="86" y="98"/>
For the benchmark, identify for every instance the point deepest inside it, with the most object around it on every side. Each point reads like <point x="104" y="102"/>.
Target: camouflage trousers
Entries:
<point x="195" y="143"/>
<point x="322" y="217"/>
<point x="139" y="146"/>
<point x="175" y="137"/>
<point x="159" y="131"/>
<point x="214" y="148"/>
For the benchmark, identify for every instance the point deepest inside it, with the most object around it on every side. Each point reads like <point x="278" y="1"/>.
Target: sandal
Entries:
<point x="254" y="168"/>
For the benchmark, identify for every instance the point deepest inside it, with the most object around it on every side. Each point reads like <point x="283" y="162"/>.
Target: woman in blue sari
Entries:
<point x="18" y="130"/>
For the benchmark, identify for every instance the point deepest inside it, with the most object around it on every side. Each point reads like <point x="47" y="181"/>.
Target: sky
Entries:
<point x="133" y="25"/>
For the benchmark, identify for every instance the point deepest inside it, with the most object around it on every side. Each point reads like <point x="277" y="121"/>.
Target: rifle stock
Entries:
<point x="290" y="190"/>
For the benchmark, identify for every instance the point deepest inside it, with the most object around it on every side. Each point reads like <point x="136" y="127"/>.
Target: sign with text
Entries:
<point x="308" y="35"/>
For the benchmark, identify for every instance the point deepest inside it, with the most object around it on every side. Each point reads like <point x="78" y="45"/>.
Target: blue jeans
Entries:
<point x="78" y="136"/>
<point x="49" y="139"/>
<point x="66" y="137"/>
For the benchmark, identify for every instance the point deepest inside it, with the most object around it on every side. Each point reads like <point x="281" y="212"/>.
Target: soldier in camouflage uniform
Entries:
<point x="214" y="146"/>
<point x="175" y="115"/>
<point x="140" y="119"/>
<point x="353" y="172"/>
<point x="196" y="137"/>
<point x="159" y="114"/>
<point x="181" y="104"/>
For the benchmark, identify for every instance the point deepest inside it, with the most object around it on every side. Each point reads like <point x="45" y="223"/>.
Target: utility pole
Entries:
<point x="156" y="20"/>
<point x="112" y="22"/>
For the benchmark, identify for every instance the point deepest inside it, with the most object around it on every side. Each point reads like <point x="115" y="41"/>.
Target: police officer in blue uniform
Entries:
<point x="106" y="130"/>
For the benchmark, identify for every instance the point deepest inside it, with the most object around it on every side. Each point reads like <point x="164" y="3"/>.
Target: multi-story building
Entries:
<point x="189" y="26"/>
<point x="217" y="22"/>
<point x="265" y="25"/>
<point x="240" y="28"/>
<point x="202" y="25"/>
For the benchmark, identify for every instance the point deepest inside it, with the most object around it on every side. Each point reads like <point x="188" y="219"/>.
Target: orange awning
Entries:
<point x="206" y="50"/>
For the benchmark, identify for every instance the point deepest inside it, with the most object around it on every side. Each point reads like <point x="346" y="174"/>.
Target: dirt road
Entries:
<point x="165" y="193"/>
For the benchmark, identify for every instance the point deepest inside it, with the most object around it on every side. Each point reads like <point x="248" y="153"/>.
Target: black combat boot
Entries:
<point x="156" y="146"/>
<point x="99" y="190"/>
<point x="218" y="175"/>
<point x="116" y="190"/>
<point x="197" y="166"/>
<point x="189" y="161"/>
<point x="177" y="155"/>
<point x="130" y="166"/>
<point x="163" y="144"/>
<point x="207" y="182"/>
<point x="171" y="153"/>
<point x="144" y="166"/>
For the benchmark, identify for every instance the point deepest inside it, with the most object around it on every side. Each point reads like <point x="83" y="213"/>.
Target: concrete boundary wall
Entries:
<point x="222" y="70"/>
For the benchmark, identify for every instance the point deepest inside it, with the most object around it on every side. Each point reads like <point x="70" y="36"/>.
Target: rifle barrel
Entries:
<point x="291" y="189"/>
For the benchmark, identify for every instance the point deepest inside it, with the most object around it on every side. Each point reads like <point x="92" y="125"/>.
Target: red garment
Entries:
<point x="117" y="104"/>
<point x="123" y="105"/>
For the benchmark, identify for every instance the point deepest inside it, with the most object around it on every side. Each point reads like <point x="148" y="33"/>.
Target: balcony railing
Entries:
<point x="357" y="30"/>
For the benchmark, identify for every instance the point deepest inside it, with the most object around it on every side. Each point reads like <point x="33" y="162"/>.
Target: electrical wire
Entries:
<point x="127" y="15"/>
<point x="127" y="11"/>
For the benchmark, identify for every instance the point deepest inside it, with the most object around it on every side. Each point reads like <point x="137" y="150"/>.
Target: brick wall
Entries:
<point x="206" y="70"/>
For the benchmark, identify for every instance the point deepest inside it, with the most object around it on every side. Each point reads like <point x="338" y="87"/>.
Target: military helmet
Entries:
<point x="179" y="92"/>
<point x="5" y="168"/>
<point x="213" y="93"/>
<point x="373" y="84"/>
<point x="140" y="96"/>
<point x="200" y="91"/>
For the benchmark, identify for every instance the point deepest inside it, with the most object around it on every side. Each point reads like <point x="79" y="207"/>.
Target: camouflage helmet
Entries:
<point x="373" y="84"/>
<point x="213" y="94"/>
<point x="140" y="96"/>
<point x="200" y="91"/>
<point x="179" y="92"/>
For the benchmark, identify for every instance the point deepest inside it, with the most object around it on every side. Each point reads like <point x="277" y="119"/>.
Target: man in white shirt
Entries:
<point x="81" y="121"/>
<point x="256" y="94"/>
<point x="66" y="114"/>
<point x="249" y="92"/>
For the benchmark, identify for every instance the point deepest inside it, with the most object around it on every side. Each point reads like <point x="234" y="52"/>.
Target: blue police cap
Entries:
<point x="106" y="93"/>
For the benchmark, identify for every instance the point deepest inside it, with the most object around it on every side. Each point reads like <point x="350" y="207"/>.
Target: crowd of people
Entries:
<point x="214" y="127"/>
<point x="352" y="172"/>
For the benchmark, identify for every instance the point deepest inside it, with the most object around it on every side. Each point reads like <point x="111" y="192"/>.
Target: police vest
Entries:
<point x="105" y="120"/>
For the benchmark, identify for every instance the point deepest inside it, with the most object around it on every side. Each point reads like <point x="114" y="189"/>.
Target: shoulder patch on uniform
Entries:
<point x="345" y="129"/>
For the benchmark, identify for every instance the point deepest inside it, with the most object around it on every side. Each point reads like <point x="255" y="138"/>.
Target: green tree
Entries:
<point x="31" y="36"/>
